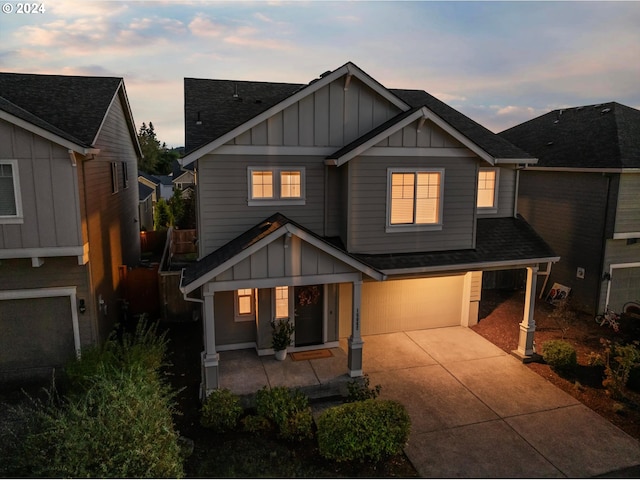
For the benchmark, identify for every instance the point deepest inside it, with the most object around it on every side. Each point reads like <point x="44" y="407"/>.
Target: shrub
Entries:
<point x="367" y="430"/>
<point x="560" y="355"/>
<point x="619" y="361"/>
<point x="288" y="410"/>
<point x="120" y="427"/>
<point x="359" y="390"/>
<point x="255" y="424"/>
<point x="117" y="421"/>
<point x="221" y="411"/>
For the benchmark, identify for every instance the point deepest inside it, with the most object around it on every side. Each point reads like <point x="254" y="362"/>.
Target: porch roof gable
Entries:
<point x="256" y="238"/>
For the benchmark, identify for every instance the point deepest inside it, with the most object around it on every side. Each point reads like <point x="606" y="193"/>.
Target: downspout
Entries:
<point x="515" y="195"/>
<point x="326" y="201"/>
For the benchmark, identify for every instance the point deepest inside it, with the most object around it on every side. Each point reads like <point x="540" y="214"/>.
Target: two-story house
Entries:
<point x="68" y="216"/>
<point x="349" y="208"/>
<point x="583" y="196"/>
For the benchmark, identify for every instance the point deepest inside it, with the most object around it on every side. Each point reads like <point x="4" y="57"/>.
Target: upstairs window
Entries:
<point x="10" y="200"/>
<point x="415" y="199"/>
<point x="487" y="189"/>
<point x="276" y="186"/>
<point x="125" y="175"/>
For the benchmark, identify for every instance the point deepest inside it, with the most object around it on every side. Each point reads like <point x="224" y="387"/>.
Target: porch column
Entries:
<point x="210" y="358"/>
<point x="528" y="326"/>
<point x="355" y="340"/>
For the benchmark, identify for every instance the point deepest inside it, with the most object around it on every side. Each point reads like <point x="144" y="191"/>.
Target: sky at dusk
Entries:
<point x="500" y="63"/>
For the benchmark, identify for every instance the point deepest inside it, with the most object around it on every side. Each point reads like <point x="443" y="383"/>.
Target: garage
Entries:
<point x="409" y="304"/>
<point x="38" y="333"/>
<point x="625" y="285"/>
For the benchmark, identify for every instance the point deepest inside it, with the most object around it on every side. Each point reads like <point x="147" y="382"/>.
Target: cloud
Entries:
<point x="84" y="8"/>
<point x="202" y="26"/>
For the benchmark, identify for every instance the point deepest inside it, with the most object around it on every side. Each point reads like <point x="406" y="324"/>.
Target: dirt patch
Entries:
<point x="500" y="315"/>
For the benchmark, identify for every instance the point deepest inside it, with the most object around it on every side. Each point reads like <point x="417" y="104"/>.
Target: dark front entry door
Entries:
<point x="308" y="315"/>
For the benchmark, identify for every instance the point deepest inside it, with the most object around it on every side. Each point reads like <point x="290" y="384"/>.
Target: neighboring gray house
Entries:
<point x="68" y="216"/>
<point x="583" y="196"/>
<point x="348" y="207"/>
<point x="145" y="206"/>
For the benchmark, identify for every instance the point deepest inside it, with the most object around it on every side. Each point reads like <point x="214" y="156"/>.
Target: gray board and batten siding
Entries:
<point x="48" y="190"/>
<point x="628" y="205"/>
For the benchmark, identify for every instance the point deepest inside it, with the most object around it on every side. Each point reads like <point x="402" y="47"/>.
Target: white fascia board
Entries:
<point x="223" y="267"/>
<point x="128" y="117"/>
<point x="336" y="253"/>
<point x="44" y="252"/>
<point x="626" y="235"/>
<point x="359" y="150"/>
<point x="583" y="170"/>
<point x="30" y="127"/>
<point x="427" y="114"/>
<point x="519" y="161"/>
<point x="347" y="69"/>
<point x="472" y="266"/>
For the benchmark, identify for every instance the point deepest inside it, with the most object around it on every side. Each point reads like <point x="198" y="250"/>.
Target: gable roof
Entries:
<point x="228" y="116"/>
<point x="263" y="233"/>
<point x="600" y="136"/>
<point x="500" y="243"/>
<point x="71" y="107"/>
<point x="144" y="191"/>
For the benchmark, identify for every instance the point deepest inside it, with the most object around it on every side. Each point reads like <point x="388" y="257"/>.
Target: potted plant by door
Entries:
<point x="282" y="332"/>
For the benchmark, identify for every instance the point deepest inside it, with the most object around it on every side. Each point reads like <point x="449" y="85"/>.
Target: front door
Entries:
<point x="308" y="315"/>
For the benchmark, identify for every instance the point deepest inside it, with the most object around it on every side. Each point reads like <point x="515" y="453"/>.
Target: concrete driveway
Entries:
<point x="479" y="412"/>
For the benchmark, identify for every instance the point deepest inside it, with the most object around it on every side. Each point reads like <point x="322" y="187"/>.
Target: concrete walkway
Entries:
<point x="476" y="411"/>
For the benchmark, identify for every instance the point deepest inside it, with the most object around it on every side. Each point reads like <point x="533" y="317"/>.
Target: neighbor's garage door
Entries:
<point x="625" y="287"/>
<point x="36" y="335"/>
<point x="399" y="305"/>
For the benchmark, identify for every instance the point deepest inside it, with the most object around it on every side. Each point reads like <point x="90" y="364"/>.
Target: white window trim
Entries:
<point x="494" y="208"/>
<point x="276" y="200"/>
<point x="19" y="216"/>
<point x="247" y="317"/>
<point x="290" y="299"/>
<point x="421" y="227"/>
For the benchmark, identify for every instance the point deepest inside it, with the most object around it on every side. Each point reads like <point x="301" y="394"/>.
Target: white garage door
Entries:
<point x="399" y="305"/>
<point x="625" y="287"/>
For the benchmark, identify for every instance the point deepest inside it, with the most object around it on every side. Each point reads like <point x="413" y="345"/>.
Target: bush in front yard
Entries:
<point x="221" y="411"/>
<point x="560" y="355"/>
<point x="288" y="410"/>
<point x="117" y="420"/>
<point x="366" y="430"/>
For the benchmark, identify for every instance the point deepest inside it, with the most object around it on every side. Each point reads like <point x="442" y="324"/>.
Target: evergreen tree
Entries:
<point x="162" y="216"/>
<point x="150" y="146"/>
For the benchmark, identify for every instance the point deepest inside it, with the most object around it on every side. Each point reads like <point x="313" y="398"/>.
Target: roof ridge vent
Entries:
<point x="606" y="110"/>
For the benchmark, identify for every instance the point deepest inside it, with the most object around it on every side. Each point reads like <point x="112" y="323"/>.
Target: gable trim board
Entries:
<point x="275" y="227"/>
<point x="348" y="69"/>
<point x="70" y="292"/>
<point x="81" y="251"/>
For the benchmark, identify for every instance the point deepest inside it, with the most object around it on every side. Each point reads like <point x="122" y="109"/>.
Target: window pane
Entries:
<point x="282" y="302"/>
<point x="402" y="191"/>
<point x="261" y="184"/>
<point x="427" y="197"/>
<point x="245" y="301"/>
<point x="290" y="185"/>
<point x="7" y="192"/>
<point x="486" y="188"/>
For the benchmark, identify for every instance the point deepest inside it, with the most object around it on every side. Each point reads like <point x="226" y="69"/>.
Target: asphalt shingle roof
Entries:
<point x="213" y="104"/>
<point x="72" y="104"/>
<point x="497" y="240"/>
<point x="144" y="191"/>
<point x="606" y="135"/>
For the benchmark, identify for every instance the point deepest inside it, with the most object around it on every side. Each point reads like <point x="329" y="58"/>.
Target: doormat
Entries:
<point x="311" y="355"/>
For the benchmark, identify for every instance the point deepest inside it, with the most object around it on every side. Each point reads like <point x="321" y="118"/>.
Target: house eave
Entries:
<point x="459" y="268"/>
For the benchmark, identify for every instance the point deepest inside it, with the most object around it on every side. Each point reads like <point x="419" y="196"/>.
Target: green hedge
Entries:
<point x="367" y="430"/>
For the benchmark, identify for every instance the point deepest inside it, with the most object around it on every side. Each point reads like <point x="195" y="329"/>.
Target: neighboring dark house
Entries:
<point x="583" y="197"/>
<point x="68" y="216"/>
<point x="349" y="208"/>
